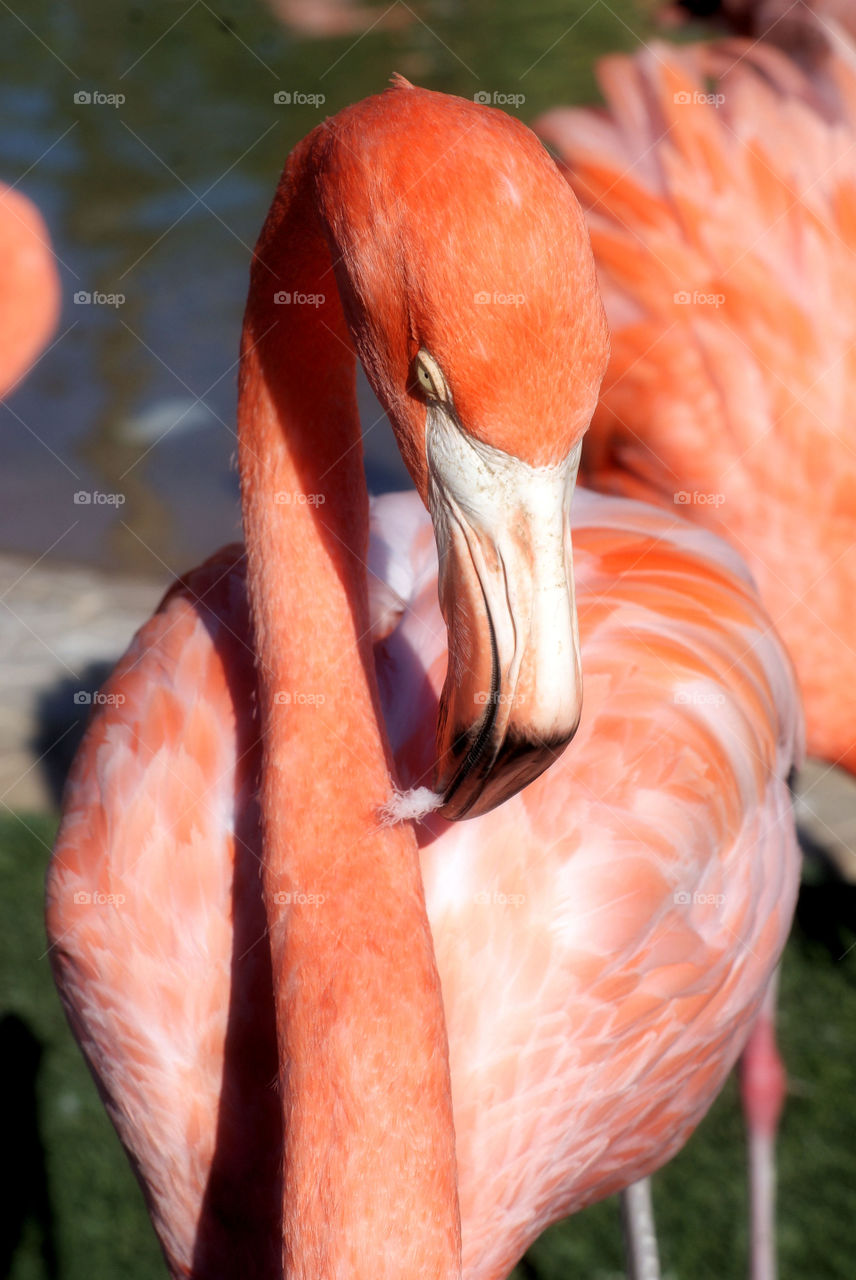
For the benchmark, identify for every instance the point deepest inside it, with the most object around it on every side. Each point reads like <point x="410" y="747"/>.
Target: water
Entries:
<point x="157" y="200"/>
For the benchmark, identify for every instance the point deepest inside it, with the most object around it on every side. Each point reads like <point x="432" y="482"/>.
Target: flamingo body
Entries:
<point x="29" y="286"/>
<point x="724" y="224"/>
<point x="604" y="938"/>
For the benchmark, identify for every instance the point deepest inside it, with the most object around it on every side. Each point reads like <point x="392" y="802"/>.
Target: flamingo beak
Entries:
<point x="513" y="692"/>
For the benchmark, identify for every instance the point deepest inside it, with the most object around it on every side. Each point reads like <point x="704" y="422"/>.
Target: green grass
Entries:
<point x="73" y="1190"/>
<point x="97" y="1219"/>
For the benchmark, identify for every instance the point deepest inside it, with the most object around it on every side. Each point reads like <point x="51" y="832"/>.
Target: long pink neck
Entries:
<point x="370" y="1176"/>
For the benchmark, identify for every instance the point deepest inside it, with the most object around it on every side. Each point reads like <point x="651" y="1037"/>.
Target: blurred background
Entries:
<point x="151" y="138"/>
<point x="154" y="204"/>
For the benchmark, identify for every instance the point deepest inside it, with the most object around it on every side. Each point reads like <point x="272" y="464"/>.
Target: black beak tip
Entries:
<point x="479" y="785"/>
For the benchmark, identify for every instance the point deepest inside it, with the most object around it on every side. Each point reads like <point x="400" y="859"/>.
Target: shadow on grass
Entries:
<point x="26" y="1196"/>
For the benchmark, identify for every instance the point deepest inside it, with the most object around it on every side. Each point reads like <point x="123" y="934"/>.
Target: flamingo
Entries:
<point x="720" y="187"/>
<point x="724" y="235"/>
<point x="29" y="286"/>
<point x="315" y="1070"/>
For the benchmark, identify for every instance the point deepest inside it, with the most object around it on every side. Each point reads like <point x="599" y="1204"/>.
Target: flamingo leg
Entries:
<point x="640" y="1232"/>
<point x="762" y="1090"/>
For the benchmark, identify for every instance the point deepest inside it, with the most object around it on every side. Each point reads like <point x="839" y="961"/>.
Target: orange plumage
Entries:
<point x="29" y="286"/>
<point x="603" y="938"/>
<point x="720" y="186"/>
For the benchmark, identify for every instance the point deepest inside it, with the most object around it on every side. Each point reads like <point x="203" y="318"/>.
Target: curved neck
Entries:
<point x="369" y="1176"/>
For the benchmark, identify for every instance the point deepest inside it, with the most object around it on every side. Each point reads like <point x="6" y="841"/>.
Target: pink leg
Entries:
<point x="762" y="1090"/>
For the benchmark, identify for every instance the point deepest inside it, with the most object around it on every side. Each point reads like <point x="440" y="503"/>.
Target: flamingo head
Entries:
<point x="468" y="283"/>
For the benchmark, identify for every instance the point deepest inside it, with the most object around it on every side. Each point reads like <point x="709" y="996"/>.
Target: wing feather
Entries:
<point x="604" y="939"/>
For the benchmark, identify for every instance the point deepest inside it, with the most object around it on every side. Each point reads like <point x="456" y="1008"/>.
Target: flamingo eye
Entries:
<point x="428" y="377"/>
